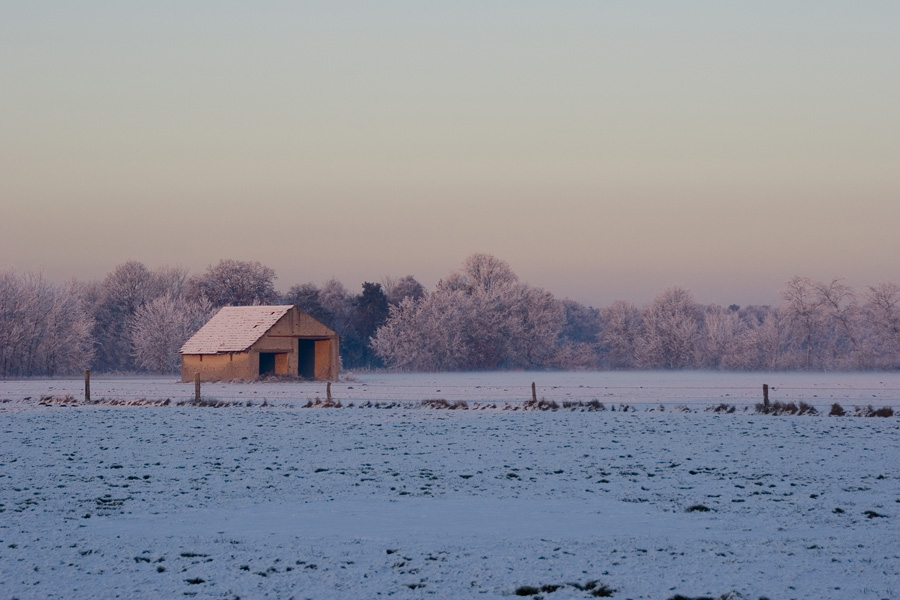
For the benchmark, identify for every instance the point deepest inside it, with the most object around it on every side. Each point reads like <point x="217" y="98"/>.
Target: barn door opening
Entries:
<point x="266" y="363"/>
<point x="273" y="363"/>
<point x="306" y="359"/>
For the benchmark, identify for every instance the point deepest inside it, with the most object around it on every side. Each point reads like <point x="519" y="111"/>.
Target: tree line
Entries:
<point x="481" y="316"/>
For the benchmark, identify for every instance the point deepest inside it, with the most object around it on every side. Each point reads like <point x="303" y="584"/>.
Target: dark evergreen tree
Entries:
<point x="306" y="297"/>
<point x="370" y="311"/>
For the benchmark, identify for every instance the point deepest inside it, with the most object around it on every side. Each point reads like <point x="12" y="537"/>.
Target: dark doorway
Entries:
<point x="306" y="359"/>
<point x="266" y="363"/>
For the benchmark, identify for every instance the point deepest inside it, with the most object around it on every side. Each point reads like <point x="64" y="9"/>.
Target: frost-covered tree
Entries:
<point x="396" y="290"/>
<point x="44" y="329"/>
<point x="116" y="300"/>
<point x="480" y="317"/>
<point x="843" y="322"/>
<point x="578" y="346"/>
<point x="485" y="274"/>
<point x="619" y="334"/>
<point x="13" y="322"/>
<point x="67" y="346"/>
<point x="803" y="315"/>
<point x="669" y="337"/>
<point x="431" y="334"/>
<point x="765" y="342"/>
<point x="234" y="283"/>
<point x="724" y="340"/>
<point x="113" y="302"/>
<point x="881" y="314"/>
<point x="160" y="327"/>
<point x="583" y="323"/>
<point x="170" y="281"/>
<point x="337" y="303"/>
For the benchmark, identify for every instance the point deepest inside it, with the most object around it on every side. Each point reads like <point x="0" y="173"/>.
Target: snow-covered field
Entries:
<point x="277" y="501"/>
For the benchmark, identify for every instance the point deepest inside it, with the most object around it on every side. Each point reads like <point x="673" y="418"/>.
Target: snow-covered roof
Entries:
<point x="234" y="329"/>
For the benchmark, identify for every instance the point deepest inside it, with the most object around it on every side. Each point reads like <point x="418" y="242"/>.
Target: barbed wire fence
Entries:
<point x="380" y="394"/>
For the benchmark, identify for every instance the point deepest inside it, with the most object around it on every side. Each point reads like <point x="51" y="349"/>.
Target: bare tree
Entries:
<point x="234" y="283"/>
<point x="396" y="290"/>
<point x="802" y="310"/>
<point x="306" y="297"/>
<point x="842" y="314"/>
<point x="485" y="273"/>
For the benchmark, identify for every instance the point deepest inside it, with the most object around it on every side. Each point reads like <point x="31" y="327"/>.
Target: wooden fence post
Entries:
<point x="196" y="388"/>
<point x="328" y="391"/>
<point x="533" y="393"/>
<point x="766" y="395"/>
<point x="87" y="385"/>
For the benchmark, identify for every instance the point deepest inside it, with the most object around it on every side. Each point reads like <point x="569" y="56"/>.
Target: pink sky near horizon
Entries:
<point x="604" y="151"/>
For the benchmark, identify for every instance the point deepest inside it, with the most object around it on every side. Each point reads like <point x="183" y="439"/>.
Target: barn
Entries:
<point x="246" y="342"/>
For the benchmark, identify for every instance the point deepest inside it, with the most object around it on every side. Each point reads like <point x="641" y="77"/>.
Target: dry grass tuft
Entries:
<point x="319" y="403"/>
<point x="541" y="404"/>
<point x="590" y="406"/>
<point x="441" y="404"/>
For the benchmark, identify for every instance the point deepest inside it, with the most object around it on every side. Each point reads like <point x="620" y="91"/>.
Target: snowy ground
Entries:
<point x="280" y="502"/>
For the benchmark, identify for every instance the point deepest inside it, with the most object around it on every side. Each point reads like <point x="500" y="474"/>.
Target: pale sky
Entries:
<point x="604" y="149"/>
